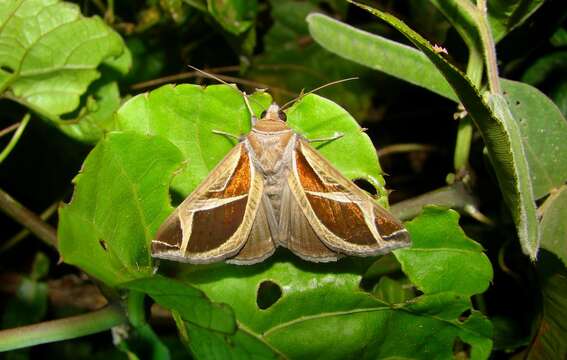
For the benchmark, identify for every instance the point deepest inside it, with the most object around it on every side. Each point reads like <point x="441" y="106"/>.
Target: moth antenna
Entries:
<point x="246" y="98"/>
<point x="293" y="101"/>
<point x="253" y="118"/>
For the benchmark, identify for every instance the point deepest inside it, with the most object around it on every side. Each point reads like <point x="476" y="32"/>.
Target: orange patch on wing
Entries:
<point x="386" y="223"/>
<point x="343" y="219"/>
<point x="239" y="183"/>
<point x="213" y="227"/>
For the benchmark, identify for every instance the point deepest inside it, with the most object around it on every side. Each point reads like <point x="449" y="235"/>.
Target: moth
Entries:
<point x="274" y="189"/>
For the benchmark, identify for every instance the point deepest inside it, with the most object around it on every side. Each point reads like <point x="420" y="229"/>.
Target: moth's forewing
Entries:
<point x="346" y="219"/>
<point x="214" y="222"/>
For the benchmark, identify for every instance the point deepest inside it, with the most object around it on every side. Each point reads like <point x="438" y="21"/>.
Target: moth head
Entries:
<point x="273" y="113"/>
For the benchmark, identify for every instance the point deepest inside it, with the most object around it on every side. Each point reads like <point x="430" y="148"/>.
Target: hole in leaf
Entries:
<point x="461" y="350"/>
<point x="7" y="69"/>
<point x="365" y="185"/>
<point x="465" y="315"/>
<point x="103" y="245"/>
<point x="268" y="293"/>
<point x="517" y="102"/>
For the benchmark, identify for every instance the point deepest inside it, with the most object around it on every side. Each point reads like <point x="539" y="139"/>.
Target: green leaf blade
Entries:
<point x="453" y="261"/>
<point x="544" y="130"/>
<point x="120" y="199"/>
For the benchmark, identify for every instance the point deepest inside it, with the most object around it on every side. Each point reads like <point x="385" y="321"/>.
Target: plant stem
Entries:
<point x="136" y="309"/>
<point x="489" y="48"/>
<point x="61" y="329"/>
<point x="15" y="138"/>
<point x="28" y="219"/>
<point x="9" y="129"/>
<point x="14" y="240"/>
<point x="464" y="133"/>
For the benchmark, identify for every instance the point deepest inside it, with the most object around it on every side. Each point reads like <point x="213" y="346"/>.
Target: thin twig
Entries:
<point x="15" y="138"/>
<point x="28" y="219"/>
<point x="14" y="240"/>
<point x="405" y="148"/>
<point x="9" y="129"/>
<point x="192" y="74"/>
<point x="62" y="329"/>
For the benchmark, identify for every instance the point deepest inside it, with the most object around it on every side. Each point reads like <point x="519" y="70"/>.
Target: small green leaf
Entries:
<point x="121" y="197"/>
<point x="553" y="224"/>
<point x="500" y="133"/>
<point x="236" y="16"/>
<point x="544" y="67"/>
<point x="49" y="53"/>
<point x="442" y="257"/>
<point x="191" y="304"/>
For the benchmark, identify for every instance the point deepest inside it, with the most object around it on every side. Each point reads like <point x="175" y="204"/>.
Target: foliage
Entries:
<point x="104" y="95"/>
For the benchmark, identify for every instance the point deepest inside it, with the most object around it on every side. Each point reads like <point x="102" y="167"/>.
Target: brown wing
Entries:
<point x="346" y="219"/>
<point x="298" y="235"/>
<point x="214" y="222"/>
<point x="260" y="244"/>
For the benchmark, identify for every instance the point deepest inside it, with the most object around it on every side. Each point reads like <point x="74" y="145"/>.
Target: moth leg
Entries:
<point x="326" y="139"/>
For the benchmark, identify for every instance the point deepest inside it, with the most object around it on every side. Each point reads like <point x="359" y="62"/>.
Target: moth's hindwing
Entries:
<point x="214" y="222"/>
<point x="345" y="218"/>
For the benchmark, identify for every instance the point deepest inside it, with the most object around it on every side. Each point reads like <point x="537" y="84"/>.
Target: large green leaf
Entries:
<point x="543" y="130"/>
<point x="301" y="309"/>
<point x="553" y="224"/>
<point x="187" y="115"/>
<point x="501" y="135"/>
<point x="120" y="199"/>
<point x="50" y="53"/>
<point x="453" y="261"/>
